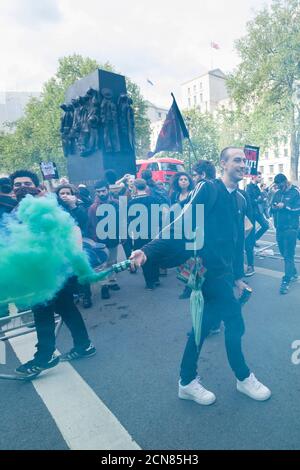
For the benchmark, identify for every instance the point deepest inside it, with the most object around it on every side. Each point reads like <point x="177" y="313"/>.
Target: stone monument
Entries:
<point x="97" y="128"/>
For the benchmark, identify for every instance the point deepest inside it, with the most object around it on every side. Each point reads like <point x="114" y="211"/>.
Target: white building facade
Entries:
<point x="273" y="161"/>
<point x="157" y="116"/>
<point x="205" y="92"/>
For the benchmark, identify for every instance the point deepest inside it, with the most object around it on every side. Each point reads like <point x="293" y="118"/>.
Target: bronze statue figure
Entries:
<point x="65" y="129"/>
<point x="93" y="120"/>
<point x="109" y="121"/>
<point x="126" y="122"/>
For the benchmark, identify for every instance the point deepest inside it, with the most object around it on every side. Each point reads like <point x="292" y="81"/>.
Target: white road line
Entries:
<point x="82" y="418"/>
<point x="2" y="352"/>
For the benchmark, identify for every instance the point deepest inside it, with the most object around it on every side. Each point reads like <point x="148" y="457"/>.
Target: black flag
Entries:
<point x="172" y="131"/>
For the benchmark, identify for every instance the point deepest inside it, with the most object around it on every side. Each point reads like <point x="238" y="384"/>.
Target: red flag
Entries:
<point x="214" y="45"/>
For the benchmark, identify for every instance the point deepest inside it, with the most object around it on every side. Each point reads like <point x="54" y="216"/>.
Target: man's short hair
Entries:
<point x="111" y="176"/>
<point x="280" y="178"/>
<point x="27" y="174"/>
<point x="207" y="167"/>
<point x="140" y="184"/>
<point x="224" y="155"/>
<point x="101" y="184"/>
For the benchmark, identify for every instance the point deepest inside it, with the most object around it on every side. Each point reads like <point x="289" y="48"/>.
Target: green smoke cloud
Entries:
<point x="38" y="252"/>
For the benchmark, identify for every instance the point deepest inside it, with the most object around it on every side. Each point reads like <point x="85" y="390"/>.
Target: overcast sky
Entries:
<point x="166" y="41"/>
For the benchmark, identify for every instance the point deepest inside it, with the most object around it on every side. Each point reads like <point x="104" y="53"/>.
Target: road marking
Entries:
<point x="2" y="352"/>
<point x="82" y="418"/>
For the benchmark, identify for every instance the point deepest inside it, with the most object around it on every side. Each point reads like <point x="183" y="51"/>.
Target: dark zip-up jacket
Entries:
<point x="7" y="204"/>
<point x="223" y="250"/>
<point x="256" y="198"/>
<point x="288" y="217"/>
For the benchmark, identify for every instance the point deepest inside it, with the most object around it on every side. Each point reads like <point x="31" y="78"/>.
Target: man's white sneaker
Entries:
<point x="253" y="388"/>
<point x="196" y="392"/>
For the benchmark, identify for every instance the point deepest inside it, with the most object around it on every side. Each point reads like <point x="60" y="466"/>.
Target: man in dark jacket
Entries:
<point x="285" y="208"/>
<point x="111" y="242"/>
<point x="257" y="201"/>
<point x="7" y="203"/>
<point x="23" y="182"/>
<point x="222" y="255"/>
<point x="137" y="241"/>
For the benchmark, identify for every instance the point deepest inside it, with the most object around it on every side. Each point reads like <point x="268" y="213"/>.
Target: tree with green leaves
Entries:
<point x="37" y="137"/>
<point x="264" y="85"/>
<point x="204" y="136"/>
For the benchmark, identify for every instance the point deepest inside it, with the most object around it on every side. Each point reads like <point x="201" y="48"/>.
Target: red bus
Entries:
<point x="162" y="168"/>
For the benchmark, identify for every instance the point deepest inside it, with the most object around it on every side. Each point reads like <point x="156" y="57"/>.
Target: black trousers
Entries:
<point x="264" y="225"/>
<point x="287" y="240"/>
<point x="62" y="304"/>
<point x="249" y="247"/>
<point x="150" y="270"/>
<point x="219" y="303"/>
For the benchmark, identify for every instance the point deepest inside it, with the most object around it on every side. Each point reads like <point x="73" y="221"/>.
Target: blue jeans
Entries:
<point x="287" y="240"/>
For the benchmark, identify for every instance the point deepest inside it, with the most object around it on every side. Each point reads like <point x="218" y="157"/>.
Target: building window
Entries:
<point x="200" y="85"/>
<point x="189" y="91"/>
<point x="276" y="153"/>
<point x="195" y="89"/>
<point x="189" y="101"/>
<point x="271" y="169"/>
<point x="195" y="100"/>
<point x="201" y="97"/>
<point x="206" y="106"/>
<point x="286" y="152"/>
<point x="266" y="155"/>
<point x="261" y="169"/>
<point x="280" y="168"/>
<point x="159" y="115"/>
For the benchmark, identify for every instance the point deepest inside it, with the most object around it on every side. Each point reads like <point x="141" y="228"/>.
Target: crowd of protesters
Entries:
<point x="230" y="211"/>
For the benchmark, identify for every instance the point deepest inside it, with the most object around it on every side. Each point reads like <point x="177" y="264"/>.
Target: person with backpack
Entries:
<point x="223" y="258"/>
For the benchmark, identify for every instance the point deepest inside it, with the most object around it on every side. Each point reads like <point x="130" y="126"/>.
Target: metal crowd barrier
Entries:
<point x="18" y="324"/>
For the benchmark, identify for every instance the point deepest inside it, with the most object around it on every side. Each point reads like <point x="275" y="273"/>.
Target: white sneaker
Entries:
<point x="253" y="388"/>
<point x="196" y="392"/>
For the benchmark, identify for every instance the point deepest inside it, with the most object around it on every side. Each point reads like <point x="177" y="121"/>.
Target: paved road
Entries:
<point x="126" y="395"/>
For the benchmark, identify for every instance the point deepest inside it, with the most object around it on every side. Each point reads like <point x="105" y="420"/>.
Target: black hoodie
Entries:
<point x="223" y="250"/>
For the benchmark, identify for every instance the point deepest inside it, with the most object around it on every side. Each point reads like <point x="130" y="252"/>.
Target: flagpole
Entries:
<point x="211" y="56"/>
<point x="193" y="150"/>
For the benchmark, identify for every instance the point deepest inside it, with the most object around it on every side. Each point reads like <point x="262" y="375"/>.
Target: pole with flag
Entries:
<point x="173" y="131"/>
<point x="213" y="45"/>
